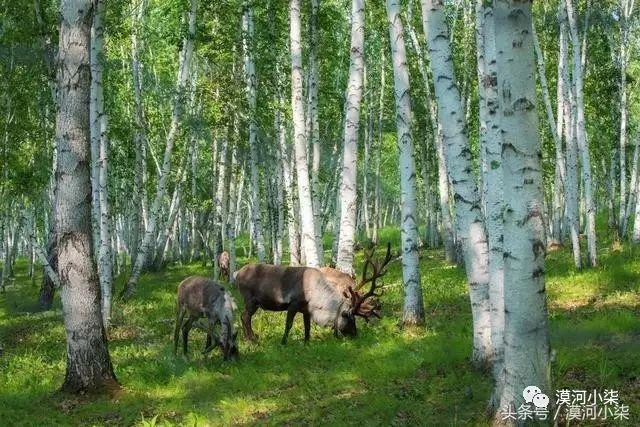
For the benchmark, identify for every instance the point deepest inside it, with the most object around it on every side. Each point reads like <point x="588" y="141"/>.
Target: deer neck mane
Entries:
<point x="325" y="304"/>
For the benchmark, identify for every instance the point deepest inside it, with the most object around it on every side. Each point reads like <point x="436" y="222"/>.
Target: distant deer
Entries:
<point x="200" y="297"/>
<point x="223" y="264"/>
<point x="367" y="307"/>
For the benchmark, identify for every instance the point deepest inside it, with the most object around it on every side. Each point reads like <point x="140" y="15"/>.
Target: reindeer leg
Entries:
<point x="185" y="335"/>
<point x="287" y="327"/>
<point x="306" y="317"/>
<point x="249" y="311"/>
<point x="180" y="312"/>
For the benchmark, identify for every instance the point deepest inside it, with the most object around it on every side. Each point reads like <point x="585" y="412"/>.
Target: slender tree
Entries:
<point x="312" y="257"/>
<point x="413" y="312"/>
<point x="491" y="150"/>
<point x="469" y="218"/>
<point x="250" y="78"/>
<point x="348" y="184"/>
<point x="581" y="136"/>
<point x="99" y="142"/>
<point x="184" y="73"/>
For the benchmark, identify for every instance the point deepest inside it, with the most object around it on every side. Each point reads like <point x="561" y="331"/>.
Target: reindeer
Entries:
<point x="327" y="298"/>
<point x="223" y="264"/>
<point x="200" y="297"/>
<point x="366" y="305"/>
<point x="294" y="290"/>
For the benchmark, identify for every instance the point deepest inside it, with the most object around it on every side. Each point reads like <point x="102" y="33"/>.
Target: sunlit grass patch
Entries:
<point x="386" y="376"/>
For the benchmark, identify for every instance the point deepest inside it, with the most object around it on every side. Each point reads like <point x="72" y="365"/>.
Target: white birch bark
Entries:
<point x="625" y="9"/>
<point x="571" y="175"/>
<point x="29" y="226"/>
<point x="100" y="143"/>
<point x="581" y="135"/>
<point x="526" y="336"/>
<point x="314" y="125"/>
<point x="218" y="204"/>
<point x="349" y="181"/>
<point x="88" y="361"/>
<point x="413" y="310"/>
<point x="491" y="147"/>
<point x="250" y="78"/>
<point x="443" y="182"/>
<point x="140" y="138"/>
<point x="633" y="188"/>
<point x="231" y="232"/>
<point x="556" y="132"/>
<point x="469" y="218"/>
<point x="183" y="76"/>
<point x="312" y="256"/>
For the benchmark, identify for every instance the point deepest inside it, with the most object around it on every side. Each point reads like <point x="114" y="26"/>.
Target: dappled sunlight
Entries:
<point x="397" y="375"/>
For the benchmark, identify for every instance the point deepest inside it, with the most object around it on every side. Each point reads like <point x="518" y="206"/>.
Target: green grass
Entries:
<point x="387" y="376"/>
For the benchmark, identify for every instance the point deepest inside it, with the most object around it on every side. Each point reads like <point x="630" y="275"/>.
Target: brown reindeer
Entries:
<point x="223" y="264"/>
<point x="294" y="290"/>
<point x="366" y="305"/>
<point x="200" y="297"/>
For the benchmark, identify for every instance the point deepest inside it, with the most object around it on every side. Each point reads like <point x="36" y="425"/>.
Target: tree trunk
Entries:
<point x="556" y="132"/>
<point x="626" y="9"/>
<point x="571" y="181"/>
<point x="304" y="192"/>
<point x="413" y="311"/>
<point x="443" y="182"/>
<point x="183" y="76"/>
<point x="633" y="189"/>
<point x="469" y="218"/>
<point x="99" y="141"/>
<point x="526" y="335"/>
<point x="313" y="124"/>
<point x="581" y="134"/>
<point x="88" y="362"/>
<point x="491" y="148"/>
<point x="140" y="139"/>
<point x="376" y="191"/>
<point x="250" y="76"/>
<point x="349" y="181"/>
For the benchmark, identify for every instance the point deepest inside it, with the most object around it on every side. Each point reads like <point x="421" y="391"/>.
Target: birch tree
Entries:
<point x="581" y="136"/>
<point x="443" y="181"/>
<point x="469" y="218"/>
<point x="250" y="77"/>
<point x="99" y="142"/>
<point x="413" y="310"/>
<point x="571" y="173"/>
<point x="146" y="248"/>
<point x="313" y="124"/>
<point x="313" y="258"/>
<point x="88" y="362"/>
<point x="556" y="131"/>
<point x="526" y="336"/>
<point x="140" y="138"/>
<point x="348" y="184"/>
<point x="491" y="150"/>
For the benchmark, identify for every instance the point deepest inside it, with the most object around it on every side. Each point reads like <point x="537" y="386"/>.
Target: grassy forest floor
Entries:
<point x="387" y="376"/>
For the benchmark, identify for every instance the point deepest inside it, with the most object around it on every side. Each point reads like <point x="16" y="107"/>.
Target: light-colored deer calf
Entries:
<point x="200" y="297"/>
<point x="223" y="264"/>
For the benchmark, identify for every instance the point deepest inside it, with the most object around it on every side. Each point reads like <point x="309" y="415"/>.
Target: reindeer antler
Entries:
<point x="363" y="308"/>
<point x="379" y="270"/>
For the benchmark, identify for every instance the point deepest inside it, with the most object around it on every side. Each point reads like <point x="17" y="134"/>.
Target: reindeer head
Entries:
<point x="366" y="305"/>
